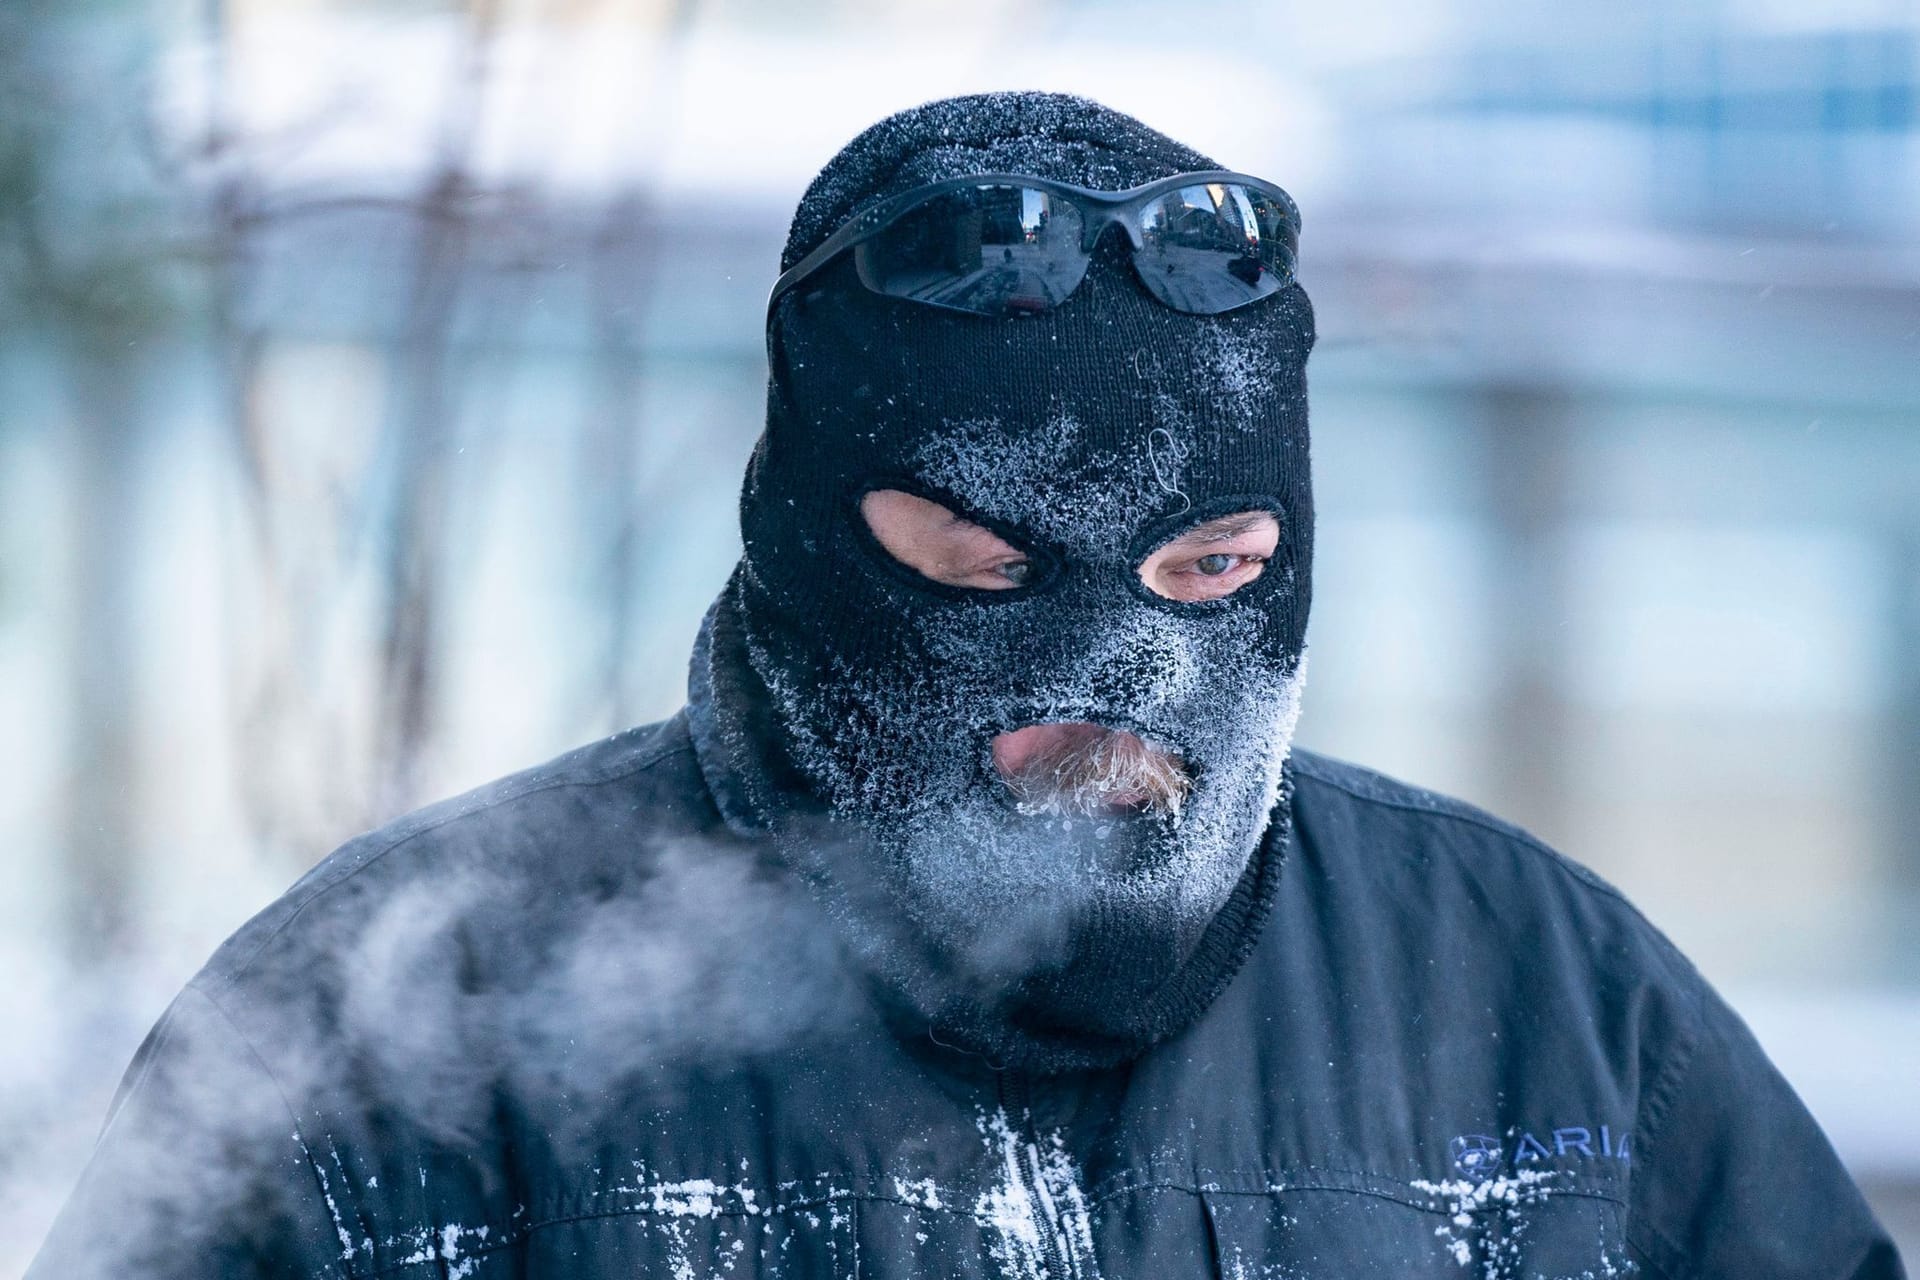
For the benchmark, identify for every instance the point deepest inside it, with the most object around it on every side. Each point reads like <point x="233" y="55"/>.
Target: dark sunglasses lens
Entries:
<point x="990" y="250"/>
<point x="1211" y="248"/>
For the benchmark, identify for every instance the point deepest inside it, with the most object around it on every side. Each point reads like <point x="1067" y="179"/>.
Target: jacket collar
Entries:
<point x="720" y="723"/>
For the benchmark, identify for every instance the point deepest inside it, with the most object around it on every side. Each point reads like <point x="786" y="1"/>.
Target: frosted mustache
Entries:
<point x="1097" y="772"/>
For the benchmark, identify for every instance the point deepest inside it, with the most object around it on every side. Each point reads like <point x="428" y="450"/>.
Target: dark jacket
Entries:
<point x="577" y="1024"/>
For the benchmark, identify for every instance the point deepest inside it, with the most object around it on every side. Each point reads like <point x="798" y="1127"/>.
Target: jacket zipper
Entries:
<point x="1015" y="1100"/>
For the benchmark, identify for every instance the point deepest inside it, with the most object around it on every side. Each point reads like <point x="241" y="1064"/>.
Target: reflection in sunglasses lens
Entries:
<point x="991" y="250"/>
<point x="1212" y="247"/>
<point x="1004" y="249"/>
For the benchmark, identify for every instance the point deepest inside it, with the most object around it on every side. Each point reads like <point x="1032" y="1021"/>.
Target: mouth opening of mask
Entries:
<point x="1073" y="769"/>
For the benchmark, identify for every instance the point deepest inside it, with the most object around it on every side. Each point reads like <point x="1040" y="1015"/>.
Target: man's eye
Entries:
<point x="1016" y="572"/>
<point x="1216" y="564"/>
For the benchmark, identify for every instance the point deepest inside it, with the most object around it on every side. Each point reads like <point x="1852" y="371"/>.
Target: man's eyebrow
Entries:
<point x="1226" y="528"/>
<point x="960" y="524"/>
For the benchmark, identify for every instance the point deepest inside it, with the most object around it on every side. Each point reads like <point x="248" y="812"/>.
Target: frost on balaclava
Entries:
<point x="1086" y="436"/>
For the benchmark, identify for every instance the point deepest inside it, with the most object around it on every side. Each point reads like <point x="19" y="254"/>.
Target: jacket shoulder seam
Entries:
<point x="1684" y="980"/>
<point x="163" y="1034"/>
<point x="239" y="968"/>
<point x="279" y="1091"/>
<point x="1439" y="806"/>
<point x="1660" y="1097"/>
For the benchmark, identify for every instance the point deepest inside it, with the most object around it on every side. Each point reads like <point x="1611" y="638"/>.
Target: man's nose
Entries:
<point x="1118" y="653"/>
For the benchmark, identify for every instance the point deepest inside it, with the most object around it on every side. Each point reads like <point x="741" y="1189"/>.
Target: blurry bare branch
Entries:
<point x="393" y="507"/>
<point x="420" y="425"/>
<point x="338" y="611"/>
<point x="624" y="252"/>
<point x="77" y="276"/>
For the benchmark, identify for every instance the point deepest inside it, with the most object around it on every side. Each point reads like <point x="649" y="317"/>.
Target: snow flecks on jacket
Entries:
<point x="1487" y="1221"/>
<point x="443" y="1245"/>
<point x="735" y="1208"/>
<point x="921" y="1194"/>
<point x="1468" y="1233"/>
<point x="1235" y="1265"/>
<point x="1038" y="1209"/>
<point x="347" y="1247"/>
<point x="690" y="1197"/>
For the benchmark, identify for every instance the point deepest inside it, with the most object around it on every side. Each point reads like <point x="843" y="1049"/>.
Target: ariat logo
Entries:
<point x="1475" y="1154"/>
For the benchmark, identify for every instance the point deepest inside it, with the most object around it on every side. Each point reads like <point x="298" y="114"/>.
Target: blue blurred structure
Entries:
<point x="375" y="383"/>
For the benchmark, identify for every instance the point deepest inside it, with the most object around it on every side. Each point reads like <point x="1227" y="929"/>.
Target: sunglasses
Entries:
<point x="996" y="244"/>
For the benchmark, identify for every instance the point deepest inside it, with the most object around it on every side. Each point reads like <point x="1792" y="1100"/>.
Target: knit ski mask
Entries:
<point x="1085" y="436"/>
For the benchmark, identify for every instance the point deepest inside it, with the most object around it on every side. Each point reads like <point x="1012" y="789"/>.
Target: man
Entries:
<point x="976" y="919"/>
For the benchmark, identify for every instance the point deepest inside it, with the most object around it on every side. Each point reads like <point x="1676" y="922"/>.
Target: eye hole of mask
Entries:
<point x="1213" y="559"/>
<point x="941" y="545"/>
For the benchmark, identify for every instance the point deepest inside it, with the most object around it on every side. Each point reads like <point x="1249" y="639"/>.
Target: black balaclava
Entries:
<point x="1086" y="436"/>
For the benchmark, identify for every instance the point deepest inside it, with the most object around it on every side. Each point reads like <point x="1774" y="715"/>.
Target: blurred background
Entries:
<point x="376" y="378"/>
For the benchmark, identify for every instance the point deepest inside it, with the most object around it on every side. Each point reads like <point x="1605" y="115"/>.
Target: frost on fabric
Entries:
<point x="1037" y="1209"/>
<point x="1007" y="892"/>
<point x="675" y="1204"/>
<point x="1237" y="366"/>
<point x="921" y="1194"/>
<point x="665" y="970"/>
<point x="1045" y="479"/>
<point x="1470" y="1233"/>
<point x="691" y="1197"/>
<point x="904" y="744"/>
<point x="445" y="1245"/>
<point x="734" y="1210"/>
<point x="1237" y="1266"/>
<point x="1487" y="1223"/>
<point x="347" y="1246"/>
<point x="1083" y="434"/>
